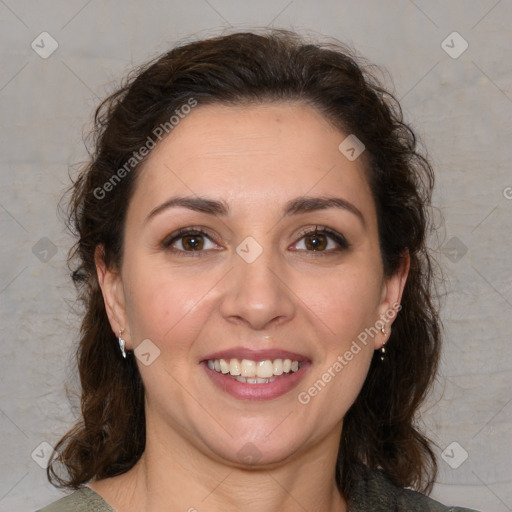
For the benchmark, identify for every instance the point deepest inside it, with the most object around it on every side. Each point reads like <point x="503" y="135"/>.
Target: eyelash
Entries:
<point x="337" y="237"/>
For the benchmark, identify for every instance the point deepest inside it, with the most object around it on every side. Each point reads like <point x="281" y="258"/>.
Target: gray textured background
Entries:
<point x="461" y="107"/>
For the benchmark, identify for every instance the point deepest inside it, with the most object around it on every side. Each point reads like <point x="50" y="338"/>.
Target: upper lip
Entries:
<point x="256" y="355"/>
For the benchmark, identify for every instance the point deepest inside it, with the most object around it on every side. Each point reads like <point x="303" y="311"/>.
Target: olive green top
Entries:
<point x="82" y="500"/>
<point x="374" y="492"/>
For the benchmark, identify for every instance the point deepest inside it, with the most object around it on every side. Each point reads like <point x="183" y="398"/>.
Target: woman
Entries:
<point x="251" y="235"/>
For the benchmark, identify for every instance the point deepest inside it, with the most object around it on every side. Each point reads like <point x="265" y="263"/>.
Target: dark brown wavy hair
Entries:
<point x="380" y="429"/>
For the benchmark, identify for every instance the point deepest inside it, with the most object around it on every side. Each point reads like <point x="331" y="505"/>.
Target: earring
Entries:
<point x="382" y="349"/>
<point x="122" y="344"/>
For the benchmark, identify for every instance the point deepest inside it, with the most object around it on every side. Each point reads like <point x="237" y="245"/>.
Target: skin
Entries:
<point x="255" y="158"/>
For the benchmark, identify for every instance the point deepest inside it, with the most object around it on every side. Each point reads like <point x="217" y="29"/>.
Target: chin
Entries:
<point x="253" y="453"/>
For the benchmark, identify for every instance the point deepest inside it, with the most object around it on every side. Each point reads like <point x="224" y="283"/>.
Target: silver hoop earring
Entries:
<point x="122" y="344"/>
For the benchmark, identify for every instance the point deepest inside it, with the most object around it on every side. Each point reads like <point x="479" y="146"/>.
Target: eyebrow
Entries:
<point x="198" y="204"/>
<point x="303" y="204"/>
<point x="306" y="204"/>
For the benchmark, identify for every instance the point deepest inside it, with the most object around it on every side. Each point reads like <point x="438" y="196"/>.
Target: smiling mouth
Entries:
<point x="255" y="372"/>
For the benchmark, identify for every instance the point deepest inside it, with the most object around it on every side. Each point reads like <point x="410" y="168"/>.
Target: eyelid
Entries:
<point x="180" y="233"/>
<point x="335" y="235"/>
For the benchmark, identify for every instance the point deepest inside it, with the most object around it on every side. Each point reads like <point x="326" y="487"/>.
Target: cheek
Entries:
<point x="345" y="312"/>
<point x="164" y="305"/>
<point x="347" y="301"/>
<point x="350" y="310"/>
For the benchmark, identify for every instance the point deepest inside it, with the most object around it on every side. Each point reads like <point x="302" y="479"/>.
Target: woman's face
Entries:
<point x="253" y="285"/>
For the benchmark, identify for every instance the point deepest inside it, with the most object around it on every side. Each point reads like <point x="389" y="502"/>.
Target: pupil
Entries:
<point x="192" y="242"/>
<point x="316" y="241"/>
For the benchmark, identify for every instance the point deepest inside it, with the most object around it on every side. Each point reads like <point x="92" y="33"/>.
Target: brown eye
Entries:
<point x="316" y="241"/>
<point x="189" y="241"/>
<point x="192" y="242"/>
<point x="322" y="241"/>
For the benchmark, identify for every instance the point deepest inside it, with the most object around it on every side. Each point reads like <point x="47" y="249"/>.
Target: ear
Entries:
<point x="113" y="294"/>
<point x="391" y="298"/>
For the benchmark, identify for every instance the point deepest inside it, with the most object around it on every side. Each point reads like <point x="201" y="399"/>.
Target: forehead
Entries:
<point x="256" y="155"/>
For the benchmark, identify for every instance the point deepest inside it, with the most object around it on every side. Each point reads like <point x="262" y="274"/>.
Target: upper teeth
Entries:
<point x="247" y="368"/>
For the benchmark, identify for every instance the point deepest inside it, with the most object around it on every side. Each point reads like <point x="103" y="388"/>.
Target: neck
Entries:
<point x="175" y="475"/>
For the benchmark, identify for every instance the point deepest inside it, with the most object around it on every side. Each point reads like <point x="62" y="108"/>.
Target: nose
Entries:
<point x="257" y="294"/>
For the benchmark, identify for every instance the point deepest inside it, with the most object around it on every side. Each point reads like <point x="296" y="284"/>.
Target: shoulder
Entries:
<point x="376" y="492"/>
<point x="82" y="500"/>
<point x="422" y="503"/>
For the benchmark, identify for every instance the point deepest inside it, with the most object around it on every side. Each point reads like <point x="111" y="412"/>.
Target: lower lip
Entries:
<point x="244" y="391"/>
